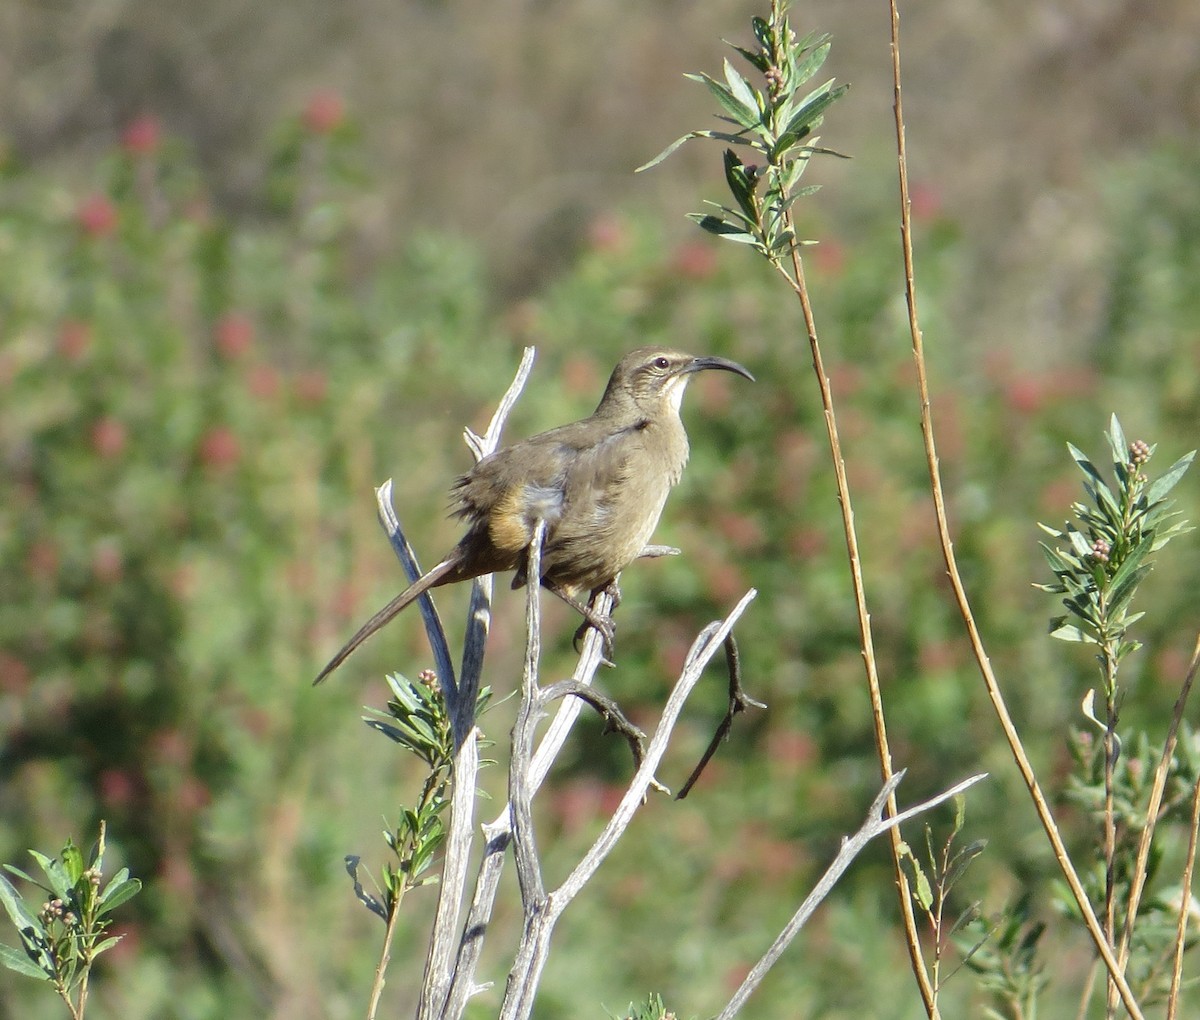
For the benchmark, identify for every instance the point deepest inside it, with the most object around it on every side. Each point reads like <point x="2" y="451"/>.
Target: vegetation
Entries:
<point x="193" y="410"/>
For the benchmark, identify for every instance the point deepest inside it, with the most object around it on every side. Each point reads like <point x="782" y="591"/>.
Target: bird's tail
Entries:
<point x="440" y="574"/>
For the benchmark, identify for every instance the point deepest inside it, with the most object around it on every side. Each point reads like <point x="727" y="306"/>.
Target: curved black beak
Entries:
<point x="700" y="364"/>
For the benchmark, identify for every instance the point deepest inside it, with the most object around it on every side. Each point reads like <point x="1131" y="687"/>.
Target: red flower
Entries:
<point x="324" y="113"/>
<point x="96" y="216"/>
<point x="695" y="260"/>
<point x="233" y="334"/>
<point x="219" y="448"/>
<point x="74" y="339"/>
<point x="142" y="135"/>
<point x="109" y="436"/>
<point x="311" y="386"/>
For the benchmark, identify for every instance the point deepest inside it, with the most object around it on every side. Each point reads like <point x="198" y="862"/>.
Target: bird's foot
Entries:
<point x="604" y="625"/>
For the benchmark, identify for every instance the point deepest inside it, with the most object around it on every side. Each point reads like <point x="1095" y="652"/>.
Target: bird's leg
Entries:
<point x="739" y="701"/>
<point x="604" y="624"/>
<point x="613" y="592"/>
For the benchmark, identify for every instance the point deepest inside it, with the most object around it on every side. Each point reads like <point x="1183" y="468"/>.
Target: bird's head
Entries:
<point x="651" y="377"/>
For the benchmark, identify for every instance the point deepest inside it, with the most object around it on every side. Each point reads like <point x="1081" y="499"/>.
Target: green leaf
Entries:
<point x="963" y="859"/>
<point x="1069" y="632"/>
<point x="20" y="962"/>
<point x="105" y="945"/>
<point x="805" y="120"/>
<point x="762" y="32"/>
<point x="55" y="875"/>
<point x="718" y="226"/>
<point x="1089" y="469"/>
<point x="118" y="892"/>
<point x="740" y="185"/>
<point x="72" y="859"/>
<point x="1130" y="565"/>
<point x="1082" y="547"/>
<point x="966" y="917"/>
<point x="666" y="152"/>
<point x="29" y="927"/>
<point x="755" y="57"/>
<point x="14" y="903"/>
<point x="13" y="869"/>
<point x="1161" y="486"/>
<point x="723" y="136"/>
<point x="741" y="91"/>
<point x="810" y="63"/>
<point x="1117" y="442"/>
<point x="727" y="101"/>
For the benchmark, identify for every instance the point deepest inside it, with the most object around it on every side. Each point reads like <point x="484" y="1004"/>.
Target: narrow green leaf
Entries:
<point x="1089" y="469"/>
<point x="14" y="903"/>
<point x="810" y="63"/>
<point x="54" y="874"/>
<point x="805" y="120"/>
<point x="1121" y="594"/>
<point x="1069" y="632"/>
<point x="117" y="893"/>
<point x="20" y="962"/>
<point x="666" y="152"/>
<point x="1117" y="441"/>
<point x="72" y="862"/>
<point x="1161" y="486"/>
<point x="1162" y="537"/>
<point x="727" y="101"/>
<point x="966" y="917"/>
<point x="1059" y="563"/>
<point x="105" y="945"/>
<point x="756" y="58"/>
<point x="718" y="226"/>
<point x="762" y="32"/>
<point x="1130" y="564"/>
<point x="741" y="91"/>
<point x="13" y="869"/>
<point x="740" y="185"/>
<point x="33" y="935"/>
<point x="1082" y="547"/>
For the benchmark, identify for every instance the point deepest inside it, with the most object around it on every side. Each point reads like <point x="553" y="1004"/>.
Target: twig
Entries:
<point x="429" y="614"/>
<point x="876" y="823"/>
<point x="614" y="719"/>
<point x="539" y="925"/>
<point x="439" y="962"/>
<point x="960" y="595"/>
<point x="739" y="701"/>
<point x="520" y="790"/>
<point x="1156" y="795"/>
<point x="866" y="640"/>
<point x="498" y="833"/>
<point x="1185" y="903"/>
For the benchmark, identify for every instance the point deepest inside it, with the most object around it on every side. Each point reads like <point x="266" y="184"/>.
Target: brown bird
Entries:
<point x="599" y="484"/>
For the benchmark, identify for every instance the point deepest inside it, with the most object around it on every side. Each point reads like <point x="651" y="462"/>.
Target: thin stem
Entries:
<point x="1110" y="821"/>
<point x="1016" y="747"/>
<point x="385" y="956"/>
<point x="875" y="824"/>
<point x="1158" y="788"/>
<point x="1185" y="903"/>
<point x="797" y="281"/>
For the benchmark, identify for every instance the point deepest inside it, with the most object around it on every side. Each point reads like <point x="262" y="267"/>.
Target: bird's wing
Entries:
<point x="564" y="476"/>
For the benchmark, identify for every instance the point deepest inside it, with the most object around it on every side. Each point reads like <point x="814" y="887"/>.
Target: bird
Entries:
<point x="598" y="484"/>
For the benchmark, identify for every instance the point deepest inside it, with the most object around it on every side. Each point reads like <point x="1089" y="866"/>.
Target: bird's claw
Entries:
<point x="606" y="627"/>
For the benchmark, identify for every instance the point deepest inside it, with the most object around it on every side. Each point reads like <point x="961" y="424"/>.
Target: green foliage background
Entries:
<point x="194" y="408"/>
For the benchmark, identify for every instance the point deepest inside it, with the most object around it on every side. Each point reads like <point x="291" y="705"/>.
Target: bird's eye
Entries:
<point x="662" y="363"/>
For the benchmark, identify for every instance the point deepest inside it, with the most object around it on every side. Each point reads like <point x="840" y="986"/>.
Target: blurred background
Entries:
<point x="255" y="258"/>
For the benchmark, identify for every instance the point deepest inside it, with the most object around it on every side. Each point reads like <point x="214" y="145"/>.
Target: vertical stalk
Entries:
<point x="1103" y="945"/>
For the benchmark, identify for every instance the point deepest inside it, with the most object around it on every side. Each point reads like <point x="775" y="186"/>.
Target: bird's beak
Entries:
<point x="700" y="364"/>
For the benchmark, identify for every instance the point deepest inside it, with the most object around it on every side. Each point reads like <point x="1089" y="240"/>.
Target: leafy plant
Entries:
<point x="62" y="938"/>
<point x="776" y="123"/>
